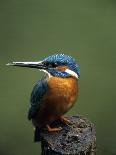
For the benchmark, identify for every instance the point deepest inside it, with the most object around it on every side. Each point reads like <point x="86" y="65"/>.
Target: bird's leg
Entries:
<point x="65" y="120"/>
<point x="53" y="129"/>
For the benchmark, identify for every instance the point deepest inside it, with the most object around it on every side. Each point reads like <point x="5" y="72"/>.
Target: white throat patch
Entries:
<point x="71" y="73"/>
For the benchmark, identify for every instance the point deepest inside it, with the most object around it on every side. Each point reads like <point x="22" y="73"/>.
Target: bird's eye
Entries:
<point x="55" y="64"/>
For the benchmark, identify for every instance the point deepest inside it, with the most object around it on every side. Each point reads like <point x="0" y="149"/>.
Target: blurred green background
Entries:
<point x="31" y="30"/>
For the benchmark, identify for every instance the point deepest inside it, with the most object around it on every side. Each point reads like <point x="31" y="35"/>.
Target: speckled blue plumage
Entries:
<point x="62" y="59"/>
<point x="36" y="97"/>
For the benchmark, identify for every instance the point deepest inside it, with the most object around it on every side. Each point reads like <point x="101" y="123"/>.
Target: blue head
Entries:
<point x="62" y="65"/>
<point x="59" y="65"/>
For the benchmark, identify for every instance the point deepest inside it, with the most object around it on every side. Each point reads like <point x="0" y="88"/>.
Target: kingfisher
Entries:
<point x="55" y="93"/>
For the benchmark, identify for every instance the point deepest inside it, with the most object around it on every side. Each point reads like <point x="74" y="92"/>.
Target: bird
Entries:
<point x="55" y="93"/>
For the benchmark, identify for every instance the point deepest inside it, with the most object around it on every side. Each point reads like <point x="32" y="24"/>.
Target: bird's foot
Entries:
<point x="53" y="129"/>
<point x="65" y="120"/>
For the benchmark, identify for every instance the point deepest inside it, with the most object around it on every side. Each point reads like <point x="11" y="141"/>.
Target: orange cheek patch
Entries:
<point x="62" y="68"/>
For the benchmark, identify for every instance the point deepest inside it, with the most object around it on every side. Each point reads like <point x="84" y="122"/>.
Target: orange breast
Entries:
<point x="62" y="94"/>
<point x="60" y="97"/>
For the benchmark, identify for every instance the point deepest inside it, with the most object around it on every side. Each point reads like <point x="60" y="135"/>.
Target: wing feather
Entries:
<point x="36" y="97"/>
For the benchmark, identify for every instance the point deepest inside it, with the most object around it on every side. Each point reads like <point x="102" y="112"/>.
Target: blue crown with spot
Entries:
<point x="62" y="59"/>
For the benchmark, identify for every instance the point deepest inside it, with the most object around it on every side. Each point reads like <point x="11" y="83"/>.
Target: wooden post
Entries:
<point x="79" y="138"/>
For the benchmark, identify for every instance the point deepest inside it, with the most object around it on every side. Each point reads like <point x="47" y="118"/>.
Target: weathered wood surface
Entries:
<point x="79" y="138"/>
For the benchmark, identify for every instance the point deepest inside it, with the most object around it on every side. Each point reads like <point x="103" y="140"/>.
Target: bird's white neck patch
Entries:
<point x="48" y="74"/>
<point x="71" y="73"/>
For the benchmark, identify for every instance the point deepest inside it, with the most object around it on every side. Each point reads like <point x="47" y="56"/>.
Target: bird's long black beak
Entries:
<point x="38" y="65"/>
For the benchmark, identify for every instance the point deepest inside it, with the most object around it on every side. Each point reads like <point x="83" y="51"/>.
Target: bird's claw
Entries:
<point x="53" y="129"/>
<point x="65" y="120"/>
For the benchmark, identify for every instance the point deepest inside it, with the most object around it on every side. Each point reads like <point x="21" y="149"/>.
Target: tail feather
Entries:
<point x="37" y="136"/>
